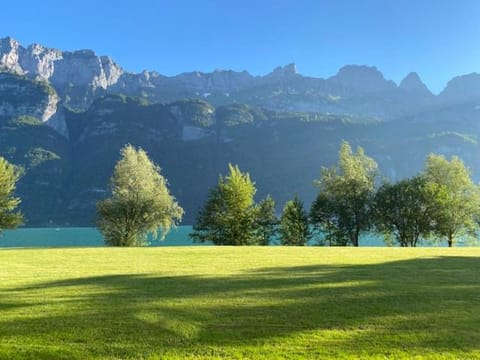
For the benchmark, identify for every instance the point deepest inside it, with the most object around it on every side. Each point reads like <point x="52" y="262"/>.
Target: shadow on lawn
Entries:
<point x="414" y="304"/>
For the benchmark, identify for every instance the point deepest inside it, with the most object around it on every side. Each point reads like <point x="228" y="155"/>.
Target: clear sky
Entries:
<point x="438" y="39"/>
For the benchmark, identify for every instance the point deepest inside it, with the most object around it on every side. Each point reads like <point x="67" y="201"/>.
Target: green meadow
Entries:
<point x="240" y="303"/>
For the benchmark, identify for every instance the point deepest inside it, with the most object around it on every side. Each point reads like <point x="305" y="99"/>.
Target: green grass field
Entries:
<point x="235" y="303"/>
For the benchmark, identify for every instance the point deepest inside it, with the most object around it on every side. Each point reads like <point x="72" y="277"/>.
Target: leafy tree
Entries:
<point x="229" y="214"/>
<point x="457" y="198"/>
<point x="322" y="217"/>
<point x="347" y="192"/>
<point x="9" y="175"/>
<point x="267" y="221"/>
<point x="140" y="202"/>
<point x="294" y="228"/>
<point x="405" y="210"/>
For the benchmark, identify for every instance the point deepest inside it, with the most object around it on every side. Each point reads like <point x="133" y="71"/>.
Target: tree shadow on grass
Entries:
<point x="413" y="305"/>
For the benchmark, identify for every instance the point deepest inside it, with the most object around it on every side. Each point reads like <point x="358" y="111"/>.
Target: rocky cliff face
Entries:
<point x="219" y="80"/>
<point x="9" y="55"/>
<point x="76" y="76"/>
<point x="20" y="96"/>
<point x="80" y="77"/>
<point x="84" y="68"/>
<point x="38" y="61"/>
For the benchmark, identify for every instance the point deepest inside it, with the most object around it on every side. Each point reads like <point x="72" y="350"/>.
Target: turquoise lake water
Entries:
<point x="62" y="237"/>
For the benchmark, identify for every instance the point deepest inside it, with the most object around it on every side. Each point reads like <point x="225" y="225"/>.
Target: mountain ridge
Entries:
<point x="81" y="76"/>
<point x="48" y="55"/>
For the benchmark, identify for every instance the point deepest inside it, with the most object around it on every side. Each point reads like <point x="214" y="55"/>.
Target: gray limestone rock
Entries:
<point x="9" y="55"/>
<point x="39" y="61"/>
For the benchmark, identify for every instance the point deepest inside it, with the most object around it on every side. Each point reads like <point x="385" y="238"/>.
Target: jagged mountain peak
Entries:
<point x="413" y="83"/>
<point x="229" y="71"/>
<point x="81" y="52"/>
<point x="8" y="41"/>
<point x="357" y="70"/>
<point x="411" y="78"/>
<point x="287" y="70"/>
<point x="9" y="55"/>
<point x="59" y="67"/>
<point x="362" y="79"/>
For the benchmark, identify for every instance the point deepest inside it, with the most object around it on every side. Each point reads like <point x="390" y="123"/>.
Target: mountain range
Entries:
<point x="65" y="115"/>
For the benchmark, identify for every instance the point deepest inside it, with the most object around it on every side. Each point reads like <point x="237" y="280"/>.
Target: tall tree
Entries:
<point x="266" y="220"/>
<point x="457" y="198"/>
<point x="347" y="192"/>
<point x="9" y="217"/>
<point x="140" y="202"/>
<point x="405" y="209"/>
<point x="294" y="228"/>
<point x="229" y="214"/>
<point x="324" y="221"/>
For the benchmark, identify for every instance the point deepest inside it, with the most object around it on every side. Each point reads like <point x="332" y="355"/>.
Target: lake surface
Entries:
<point x="62" y="237"/>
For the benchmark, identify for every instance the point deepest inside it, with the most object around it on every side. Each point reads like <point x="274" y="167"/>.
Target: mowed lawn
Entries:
<point x="240" y="302"/>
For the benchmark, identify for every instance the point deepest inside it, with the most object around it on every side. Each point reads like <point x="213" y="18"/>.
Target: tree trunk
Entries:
<point x="355" y="239"/>
<point x="450" y="241"/>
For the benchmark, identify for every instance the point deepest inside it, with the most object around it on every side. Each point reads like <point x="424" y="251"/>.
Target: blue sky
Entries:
<point x="437" y="38"/>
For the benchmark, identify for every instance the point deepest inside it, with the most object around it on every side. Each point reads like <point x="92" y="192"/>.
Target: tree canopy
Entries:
<point x="405" y="209"/>
<point x="229" y="214"/>
<point x="346" y="194"/>
<point x="294" y="228"/>
<point x="9" y="217"/>
<point x="456" y="196"/>
<point x="325" y="223"/>
<point x="267" y="221"/>
<point x="140" y="202"/>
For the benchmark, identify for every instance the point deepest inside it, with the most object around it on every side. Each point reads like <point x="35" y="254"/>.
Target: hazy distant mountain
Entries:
<point x="460" y="89"/>
<point x="412" y="84"/>
<point x="281" y="127"/>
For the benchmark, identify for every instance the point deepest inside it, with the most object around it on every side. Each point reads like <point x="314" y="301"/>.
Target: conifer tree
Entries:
<point x="229" y="214"/>
<point x="294" y="228"/>
<point x="267" y="221"/>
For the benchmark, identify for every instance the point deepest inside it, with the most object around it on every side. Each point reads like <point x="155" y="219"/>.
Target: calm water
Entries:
<point x="60" y="237"/>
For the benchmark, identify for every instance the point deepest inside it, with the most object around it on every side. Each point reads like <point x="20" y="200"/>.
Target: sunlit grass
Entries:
<point x="244" y="302"/>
